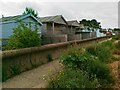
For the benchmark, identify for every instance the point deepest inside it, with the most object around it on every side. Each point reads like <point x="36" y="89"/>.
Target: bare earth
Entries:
<point x="115" y="66"/>
<point x="35" y="78"/>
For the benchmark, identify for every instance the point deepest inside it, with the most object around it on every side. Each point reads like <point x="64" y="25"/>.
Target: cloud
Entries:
<point x="105" y="12"/>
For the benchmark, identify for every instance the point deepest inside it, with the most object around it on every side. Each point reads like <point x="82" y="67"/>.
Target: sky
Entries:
<point x="104" y="11"/>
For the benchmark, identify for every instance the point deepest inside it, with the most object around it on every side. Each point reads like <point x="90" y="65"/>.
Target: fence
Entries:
<point x="52" y="38"/>
<point x="74" y="37"/>
<point x="15" y="61"/>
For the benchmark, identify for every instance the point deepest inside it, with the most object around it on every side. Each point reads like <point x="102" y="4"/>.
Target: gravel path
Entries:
<point x="35" y="78"/>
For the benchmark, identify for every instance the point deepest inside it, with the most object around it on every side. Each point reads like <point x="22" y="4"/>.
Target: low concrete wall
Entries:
<point x="24" y="59"/>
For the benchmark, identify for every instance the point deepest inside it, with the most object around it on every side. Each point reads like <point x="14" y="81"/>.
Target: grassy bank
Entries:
<point x="87" y="68"/>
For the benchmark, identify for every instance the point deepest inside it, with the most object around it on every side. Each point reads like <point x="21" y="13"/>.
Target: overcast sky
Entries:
<point x="105" y="11"/>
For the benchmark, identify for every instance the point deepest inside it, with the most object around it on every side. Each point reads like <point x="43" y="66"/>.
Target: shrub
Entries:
<point x="4" y="75"/>
<point x="109" y="44"/>
<point x="89" y="63"/>
<point x="73" y="78"/>
<point x="72" y="58"/>
<point x="118" y="45"/>
<point x="15" y="70"/>
<point x="101" y="71"/>
<point x="101" y="51"/>
<point x="49" y="57"/>
<point x="23" y="37"/>
<point x="116" y="37"/>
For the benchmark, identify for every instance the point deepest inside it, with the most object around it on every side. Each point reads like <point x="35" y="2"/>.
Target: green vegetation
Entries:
<point x="15" y="70"/>
<point x="30" y="10"/>
<point x="90" y="23"/>
<point x="49" y="57"/>
<point x="23" y="37"/>
<point x="90" y="63"/>
<point x="70" y="78"/>
<point x="102" y="51"/>
<point x="117" y="51"/>
<point x="117" y="29"/>
<point x="118" y="45"/>
<point x="4" y="75"/>
<point x="116" y="37"/>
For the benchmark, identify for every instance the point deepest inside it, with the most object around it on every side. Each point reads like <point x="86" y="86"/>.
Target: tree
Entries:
<point x="90" y="23"/>
<point x="117" y="29"/>
<point x="95" y="24"/>
<point x="84" y="22"/>
<point x="30" y="10"/>
<point x="23" y="37"/>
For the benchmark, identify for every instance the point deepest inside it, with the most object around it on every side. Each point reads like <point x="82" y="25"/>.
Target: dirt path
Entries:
<point x="34" y="78"/>
<point x="115" y="66"/>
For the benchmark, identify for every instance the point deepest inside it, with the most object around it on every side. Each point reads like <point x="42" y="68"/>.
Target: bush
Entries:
<point x="89" y="63"/>
<point x="72" y="58"/>
<point x="73" y="78"/>
<point x="118" y="45"/>
<point x="109" y="44"/>
<point x="4" y="75"/>
<point x="23" y="37"/>
<point x="101" y="51"/>
<point x="15" y="70"/>
<point x="101" y="71"/>
<point x="116" y="37"/>
<point x="49" y="57"/>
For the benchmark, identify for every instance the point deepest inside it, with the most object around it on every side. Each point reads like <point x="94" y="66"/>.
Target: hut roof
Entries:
<point x="56" y="19"/>
<point x="73" y="23"/>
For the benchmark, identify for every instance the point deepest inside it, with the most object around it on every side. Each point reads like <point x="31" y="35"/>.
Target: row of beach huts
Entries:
<point x="52" y="29"/>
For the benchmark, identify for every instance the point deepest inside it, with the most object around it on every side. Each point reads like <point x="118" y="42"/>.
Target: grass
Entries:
<point x="116" y="37"/>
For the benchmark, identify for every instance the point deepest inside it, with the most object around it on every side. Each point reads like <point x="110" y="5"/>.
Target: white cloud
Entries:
<point x="105" y="12"/>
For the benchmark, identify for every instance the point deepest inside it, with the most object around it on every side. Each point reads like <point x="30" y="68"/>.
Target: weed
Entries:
<point x="4" y="75"/>
<point x="15" y="70"/>
<point x="49" y="57"/>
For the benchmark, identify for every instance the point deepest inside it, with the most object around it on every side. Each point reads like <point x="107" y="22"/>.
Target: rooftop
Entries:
<point x="55" y="19"/>
<point x="10" y="18"/>
<point x="73" y="23"/>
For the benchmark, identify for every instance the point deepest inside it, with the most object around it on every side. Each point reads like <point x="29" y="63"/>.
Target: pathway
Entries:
<point x="34" y="78"/>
